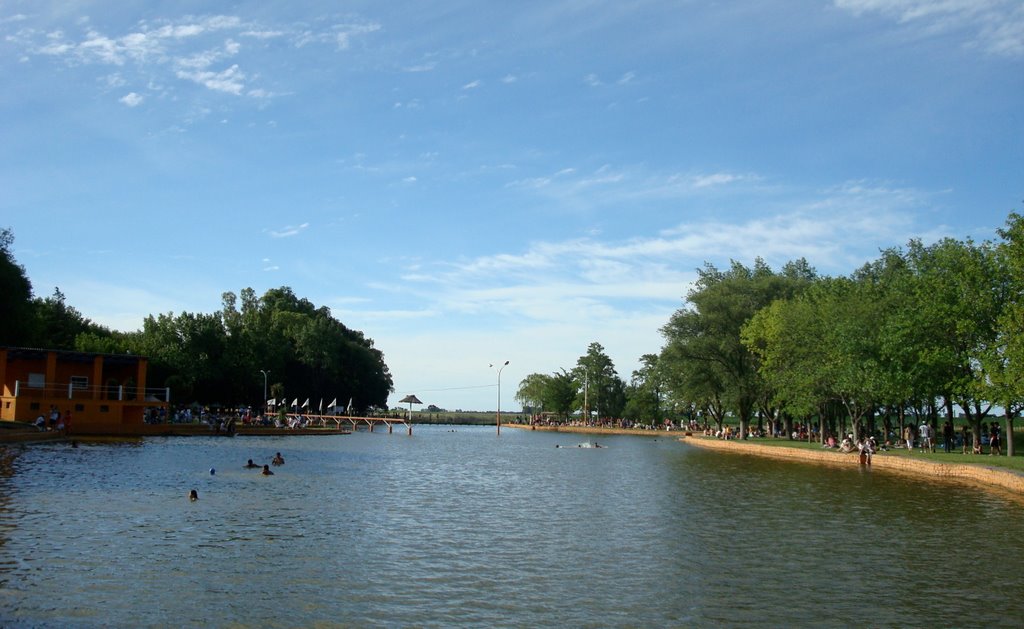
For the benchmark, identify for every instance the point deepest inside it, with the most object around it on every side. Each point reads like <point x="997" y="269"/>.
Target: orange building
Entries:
<point x="106" y="394"/>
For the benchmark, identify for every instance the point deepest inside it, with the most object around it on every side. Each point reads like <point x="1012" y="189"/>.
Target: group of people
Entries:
<point x="57" y="420"/>
<point x="866" y="446"/>
<point x="277" y="460"/>
<point x="193" y="495"/>
<point x="926" y="438"/>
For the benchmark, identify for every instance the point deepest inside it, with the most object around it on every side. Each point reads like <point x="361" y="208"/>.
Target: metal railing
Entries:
<point x="72" y="391"/>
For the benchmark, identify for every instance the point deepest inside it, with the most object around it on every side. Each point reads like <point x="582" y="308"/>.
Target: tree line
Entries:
<point x="216" y="358"/>
<point x="923" y="330"/>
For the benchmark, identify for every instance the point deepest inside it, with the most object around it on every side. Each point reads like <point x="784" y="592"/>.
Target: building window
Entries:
<point x="104" y="408"/>
<point x="34" y="406"/>
<point x="37" y="380"/>
<point x="79" y="382"/>
<point x="79" y="408"/>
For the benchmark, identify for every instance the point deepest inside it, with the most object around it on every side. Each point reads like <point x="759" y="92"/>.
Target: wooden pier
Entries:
<point x="337" y="421"/>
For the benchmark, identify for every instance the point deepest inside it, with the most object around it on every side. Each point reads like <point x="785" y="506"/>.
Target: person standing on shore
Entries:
<point x="908" y="436"/>
<point x="965" y="434"/>
<point x="948" y="434"/>
<point x="927" y="443"/>
<point x="993" y="441"/>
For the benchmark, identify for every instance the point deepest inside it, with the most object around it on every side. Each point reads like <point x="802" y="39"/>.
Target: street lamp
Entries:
<point x="499" y="395"/>
<point x="265" y="374"/>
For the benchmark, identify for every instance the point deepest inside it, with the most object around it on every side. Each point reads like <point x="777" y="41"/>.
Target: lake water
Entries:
<point x="459" y="527"/>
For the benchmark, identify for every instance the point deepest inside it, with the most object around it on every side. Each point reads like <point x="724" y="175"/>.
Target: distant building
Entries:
<point x="105" y="393"/>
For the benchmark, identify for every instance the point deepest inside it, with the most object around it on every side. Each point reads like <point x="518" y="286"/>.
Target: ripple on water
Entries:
<point x="468" y="529"/>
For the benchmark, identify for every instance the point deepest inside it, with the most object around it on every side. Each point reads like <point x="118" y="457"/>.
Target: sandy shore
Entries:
<point x="974" y="474"/>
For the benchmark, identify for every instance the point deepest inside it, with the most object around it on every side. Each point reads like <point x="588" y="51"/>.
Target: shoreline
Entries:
<point x="972" y="473"/>
<point x="594" y="430"/>
<point x="975" y="474"/>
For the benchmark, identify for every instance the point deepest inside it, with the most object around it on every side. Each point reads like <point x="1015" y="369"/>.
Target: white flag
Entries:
<point x="306" y="403"/>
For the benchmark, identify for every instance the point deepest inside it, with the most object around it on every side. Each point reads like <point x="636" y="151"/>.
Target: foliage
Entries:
<point x="216" y="358"/>
<point x="305" y="351"/>
<point x="600" y="388"/>
<point x="16" y="308"/>
<point x="703" y="341"/>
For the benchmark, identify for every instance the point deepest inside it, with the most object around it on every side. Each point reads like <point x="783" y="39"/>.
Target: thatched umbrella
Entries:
<point x="410" y="400"/>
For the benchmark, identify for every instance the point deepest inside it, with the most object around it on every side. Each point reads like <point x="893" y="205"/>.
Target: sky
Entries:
<point x="470" y="182"/>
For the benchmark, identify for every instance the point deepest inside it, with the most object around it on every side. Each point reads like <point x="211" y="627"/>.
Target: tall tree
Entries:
<point x="950" y="318"/>
<point x="705" y="337"/>
<point x="595" y="374"/>
<point x="531" y="392"/>
<point x="1005" y="361"/>
<point x="645" y="392"/>
<point x="58" y="324"/>
<point x="16" y="308"/>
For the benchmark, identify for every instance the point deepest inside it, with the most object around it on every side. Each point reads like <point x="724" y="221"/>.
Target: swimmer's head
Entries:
<point x="193" y="495"/>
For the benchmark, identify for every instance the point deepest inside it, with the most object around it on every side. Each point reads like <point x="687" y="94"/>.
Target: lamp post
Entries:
<point x="265" y="374"/>
<point x="499" y="396"/>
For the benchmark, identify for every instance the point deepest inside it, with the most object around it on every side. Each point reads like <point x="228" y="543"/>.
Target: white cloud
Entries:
<point x="187" y="48"/>
<point x="996" y="26"/>
<point x="472" y="85"/>
<point x="131" y="99"/>
<point x="288" y="231"/>
<point x="609" y="185"/>
<point x="231" y="80"/>
<point x="345" y="32"/>
<point x="422" y="67"/>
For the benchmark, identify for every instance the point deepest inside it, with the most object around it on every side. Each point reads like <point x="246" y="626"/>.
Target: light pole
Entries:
<point x="265" y="374"/>
<point x="499" y="395"/>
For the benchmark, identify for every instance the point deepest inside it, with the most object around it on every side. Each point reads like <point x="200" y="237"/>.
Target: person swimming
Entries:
<point x="278" y="459"/>
<point x="250" y="464"/>
<point x="193" y="495"/>
<point x="266" y="471"/>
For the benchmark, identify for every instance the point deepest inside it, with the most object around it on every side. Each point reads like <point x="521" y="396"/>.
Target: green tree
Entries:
<point x="644" y="395"/>
<point x="531" y="392"/>
<point x="949" y="320"/>
<point x="1005" y="360"/>
<point x="703" y="340"/>
<point x="600" y="386"/>
<point x="16" y="307"/>
<point x="58" y="324"/>
<point x="560" y="394"/>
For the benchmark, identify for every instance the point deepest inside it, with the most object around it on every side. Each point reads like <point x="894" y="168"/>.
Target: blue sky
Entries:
<point x="474" y="182"/>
